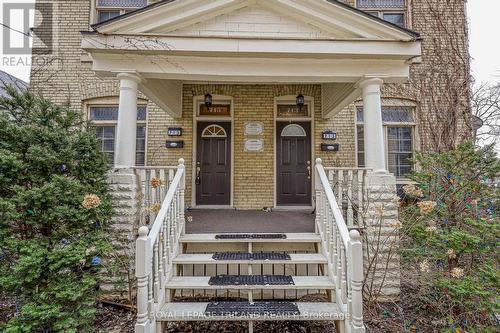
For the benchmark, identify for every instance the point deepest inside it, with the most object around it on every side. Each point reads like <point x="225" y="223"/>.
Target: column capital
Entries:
<point x="132" y="76"/>
<point x="370" y="81"/>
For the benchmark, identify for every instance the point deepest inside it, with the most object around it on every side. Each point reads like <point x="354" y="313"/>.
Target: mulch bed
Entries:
<point x="115" y="319"/>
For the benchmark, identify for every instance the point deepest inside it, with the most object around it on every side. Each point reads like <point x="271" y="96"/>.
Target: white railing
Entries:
<point x="344" y="251"/>
<point x="155" y="249"/>
<point x="349" y="188"/>
<point x="154" y="183"/>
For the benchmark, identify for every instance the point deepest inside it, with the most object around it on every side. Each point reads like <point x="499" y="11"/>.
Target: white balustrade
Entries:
<point x="349" y="188"/>
<point x="342" y="248"/>
<point x="154" y="183"/>
<point x="156" y="247"/>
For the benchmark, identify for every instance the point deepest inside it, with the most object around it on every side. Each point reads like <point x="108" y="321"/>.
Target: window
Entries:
<point x="399" y="132"/>
<point x="293" y="130"/>
<point x="214" y="131"/>
<point x="104" y="119"/>
<point x="104" y="15"/>
<point x="392" y="11"/>
<point x="399" y="150"/>
<point x="108" y="9"/>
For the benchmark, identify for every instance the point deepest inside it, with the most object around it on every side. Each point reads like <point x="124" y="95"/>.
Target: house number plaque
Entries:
<point x="174" y="131"/>
<point x="329" y="135"/>
<point x="215" y="110"/>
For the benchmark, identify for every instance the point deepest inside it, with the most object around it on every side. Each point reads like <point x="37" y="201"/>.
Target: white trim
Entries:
<point x="197" y="101"/>
<point x="293" y="208"/>
<point x="287" y="99"/>
<point x="212" y="207"/>
<point x="252" y="47"/>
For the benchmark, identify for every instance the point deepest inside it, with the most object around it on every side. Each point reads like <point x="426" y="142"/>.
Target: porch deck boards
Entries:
<point x="249" y="221"/>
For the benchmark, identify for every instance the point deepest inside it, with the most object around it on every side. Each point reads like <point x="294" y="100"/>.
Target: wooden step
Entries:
<point x="290" y="238"/>
<point x="196" y="311"/>
<point x="296" y="258"/>
<point x="201" y="282"/>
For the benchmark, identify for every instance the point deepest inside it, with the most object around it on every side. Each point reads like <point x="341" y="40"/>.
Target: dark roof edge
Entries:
<point x="337" y="2"/>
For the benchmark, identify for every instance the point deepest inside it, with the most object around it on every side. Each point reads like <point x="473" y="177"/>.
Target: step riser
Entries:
<point x="290" y="238"/>
<point x="196" y="311"/>
<point x="258" y="294"/>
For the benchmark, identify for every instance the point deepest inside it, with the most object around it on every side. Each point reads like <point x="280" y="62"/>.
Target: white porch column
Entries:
<point x="373" y="127"/>
<point x="126" y="129"/>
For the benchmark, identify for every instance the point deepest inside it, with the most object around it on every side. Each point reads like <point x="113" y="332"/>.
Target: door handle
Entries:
<point x="308" y="172"/>
<point x="198" y="170"/>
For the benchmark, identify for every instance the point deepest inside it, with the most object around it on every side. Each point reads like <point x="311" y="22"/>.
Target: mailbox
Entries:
<point x="330" y="147"/>
<point x="175" y="144"/>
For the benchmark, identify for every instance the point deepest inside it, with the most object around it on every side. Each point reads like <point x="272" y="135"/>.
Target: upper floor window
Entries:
<point x="108" y="9"/>
<point x="104" y="119"/>
<point x="389" y="10"/>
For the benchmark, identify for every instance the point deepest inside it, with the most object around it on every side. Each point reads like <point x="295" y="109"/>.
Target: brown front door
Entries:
<point x="213" y="164"/>
<point x="293" y="158"/>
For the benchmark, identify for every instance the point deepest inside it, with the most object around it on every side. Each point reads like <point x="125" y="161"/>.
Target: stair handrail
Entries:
<point x="155" y="250"/>
<point x="344" y="252"/>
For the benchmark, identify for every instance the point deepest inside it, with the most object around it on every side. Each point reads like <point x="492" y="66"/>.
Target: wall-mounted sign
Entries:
<point x="215" y="110"/>
<point x="254" y="145"/>
<point x="330" y="147"/>
<point x="175" y="144"/>
<point x="329" y="135"/>
<point x="254" y="128"/>
<point x="174" y="131"/>
<point x="292" y="110"/>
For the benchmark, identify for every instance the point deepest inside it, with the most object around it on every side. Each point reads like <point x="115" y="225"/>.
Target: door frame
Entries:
<point x="290" y="99"/>
<point x="197" y="101"/>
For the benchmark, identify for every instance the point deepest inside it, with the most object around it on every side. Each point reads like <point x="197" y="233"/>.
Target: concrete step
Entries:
<point x="295" y="258"/>
<point x="202" y="282"/>
<point x="197" y="311"/>
<point x="290" y="238"/>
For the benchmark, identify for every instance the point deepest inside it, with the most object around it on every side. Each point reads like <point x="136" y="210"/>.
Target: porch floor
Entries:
<point x="207" y="221"/>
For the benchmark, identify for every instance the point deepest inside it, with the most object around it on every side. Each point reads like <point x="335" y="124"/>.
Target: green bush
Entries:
<point x="450" y="221"/>
<point x="54" y="214"/>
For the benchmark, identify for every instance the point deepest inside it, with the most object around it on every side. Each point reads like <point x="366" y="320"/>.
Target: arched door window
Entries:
<point x="293" y="130"/>
<point x="214" y="131"/>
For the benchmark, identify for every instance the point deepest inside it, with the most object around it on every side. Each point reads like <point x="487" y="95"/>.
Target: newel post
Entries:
<point x="318" y="195"/>
<point x="142" y="272"/>
<point x="182" y="187"/>
<point x="355" y="256"/>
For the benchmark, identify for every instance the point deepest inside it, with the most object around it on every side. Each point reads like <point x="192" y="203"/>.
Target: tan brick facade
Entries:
<point x="253" y="172"/>
<point x="73" y="81"/>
